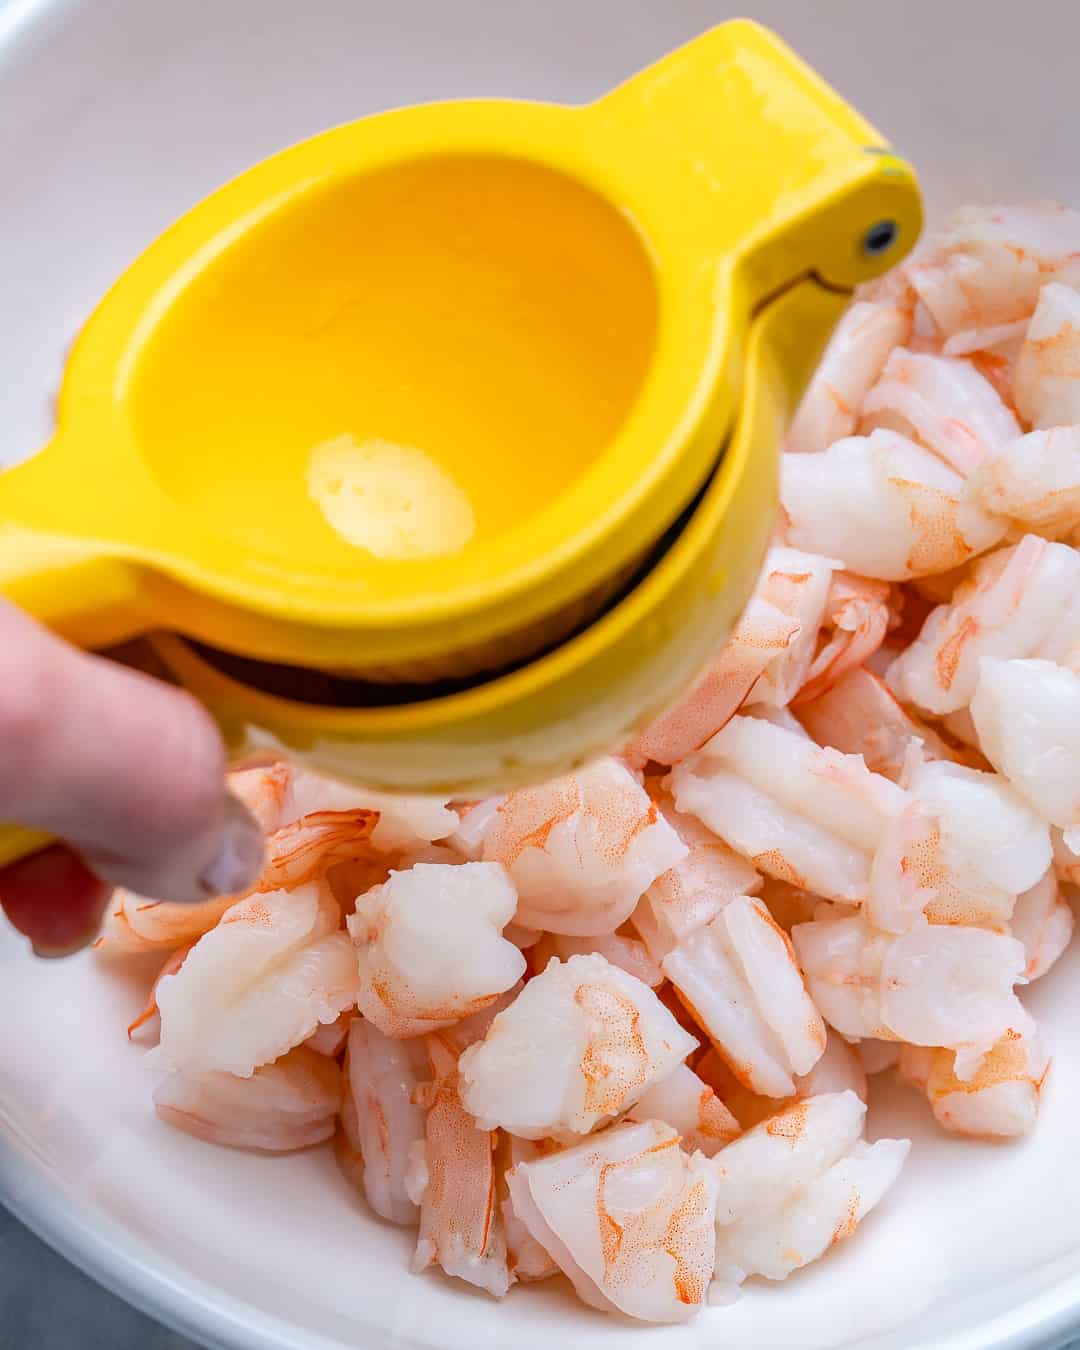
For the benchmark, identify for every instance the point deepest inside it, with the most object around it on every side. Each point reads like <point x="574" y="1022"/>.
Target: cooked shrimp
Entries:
<point x="579" y="1045"/>
<point x="885" y="507"/>
<point x="738" y="975"/>
<point x="800" y="813"/>
<point x="581" y="850"/>
<point x="1027" y="714"/>
<point x="289" y="1104"/>
<point x="1034" y="482"/>
<point x="1018" y="601"/>
<point x="944" y="404"/>
<point x="403" y="823"/>
<point x="796" y="584"/>
<point x="1046" y="384"/>
<point x="1066" y="860"/>
<point x="1043" y="921"/>
<point x="173" y="962"/>
<point x="263" y="791"/>
<point x="796" y="1184"/>
<point x="760" y="635"/>
<point x="838" y="1070"/>
<point x="789" y="904"/>
<point x="330" y="1039"/>
<point x="133" y="924"/>
<point x="453" y="1180"/>
<point x="430" y="946"/>
<point x="962" y="852"/>
<point x="382" y="1080"/>
<point x="858" y="615"/>
<point x="695" y="890"/>
<point x="526" y="1258"/>
<point x="299" y="851"/>
<point x="476" y="819"/>
<point x="689" y="1105"/>
<point x="259" y="983"/>
<point x="999" y="1101"/>
<point x="853" y="360"/>
<point x="982" y="278"/>
<point x="933" y="985"/>
<point x="859" y="715"/>
<point x="628" y="1217"/>
<point x="307" y="848"/>
<point x="628" y="953"/>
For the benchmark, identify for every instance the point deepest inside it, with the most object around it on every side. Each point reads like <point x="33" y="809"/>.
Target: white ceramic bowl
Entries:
<point x="115" y="116"/>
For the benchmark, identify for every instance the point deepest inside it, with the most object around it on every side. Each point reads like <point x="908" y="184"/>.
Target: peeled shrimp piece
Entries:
<point x="760" y="636"/>
<point x="695" y="890"/>
<point x="629" y="1217"/>
<point x="1027" y="713"/>
<point x="738" y="976"/>
<point x="1043" y="921"/>
<point x="961" y="853"/>
<point x="384" y="1124"/>
<point x="581" y="850"/>
<point x="943" y="404"/>
<point x="1018" y="602"/>
<point x="857" y="618"/>
<point x="330" y="1039"/>
<point x="430" y="948"/>
<point x="789" y="904"/>
<point x="689" y="1105"/>
<point x="800" y="813"/>
<point x="405" y="823"/>
<point x="289" y="1104"/>
<point x="796" y="1184"/>
<point x="885" y="507"/>
<point x="629" y="953"/>
<point x="1047" y="379"/>
<point x="933" y="985"/>
<point x="580" y="1045"/>
<point x="838" y="1070"/>
<point x="452" y="1178"/>
<point x="475" y="819"/>
<point x="981" y="280"/>
<point x="171" y="965"/>
<point x="1000" y="1100"/>
<point x="263" y="790"/>
<point x="274" y="969"/>
<point x="852" y="362"/>
<point x="1034" y="481"/>
<point x="306" y="848"/>
<point x="796" y="584"/>
<point x="527" y="1259"/>
<point x="859" y="715"/>
<point x="133" y="923"/>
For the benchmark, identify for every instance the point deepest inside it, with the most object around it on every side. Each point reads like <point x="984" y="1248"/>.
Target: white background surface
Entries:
<point x="115" y="115"/>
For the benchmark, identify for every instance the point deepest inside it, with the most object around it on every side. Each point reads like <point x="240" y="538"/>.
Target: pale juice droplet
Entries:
<point x="393" y="500"/>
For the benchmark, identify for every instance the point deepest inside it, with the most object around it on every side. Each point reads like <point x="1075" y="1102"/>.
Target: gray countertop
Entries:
<point x="46" y="1304"/>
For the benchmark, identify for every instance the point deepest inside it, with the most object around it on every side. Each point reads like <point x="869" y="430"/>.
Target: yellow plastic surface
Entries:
<point x="590" y="694"/>
<point x="544" y="311"/>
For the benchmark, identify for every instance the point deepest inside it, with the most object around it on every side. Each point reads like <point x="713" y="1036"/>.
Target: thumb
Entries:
<point x="129" y="771"/>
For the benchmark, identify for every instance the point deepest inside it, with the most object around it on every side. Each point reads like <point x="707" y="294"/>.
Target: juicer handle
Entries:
<point x="764" y="165"/>
<point x="66" y="584"/>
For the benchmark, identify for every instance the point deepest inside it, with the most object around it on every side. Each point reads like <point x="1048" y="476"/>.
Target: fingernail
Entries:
<point x="240" y="853"/>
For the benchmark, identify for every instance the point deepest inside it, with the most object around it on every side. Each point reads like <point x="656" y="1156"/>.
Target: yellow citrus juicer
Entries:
<point x="440" y="450"/>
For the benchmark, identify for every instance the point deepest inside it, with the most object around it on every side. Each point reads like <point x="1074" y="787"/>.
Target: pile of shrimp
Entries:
<point x="619" y="1027"/>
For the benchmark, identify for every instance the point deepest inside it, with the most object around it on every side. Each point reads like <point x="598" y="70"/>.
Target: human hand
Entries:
<point x="128" y="771"/>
